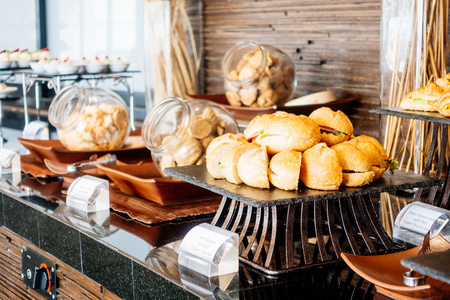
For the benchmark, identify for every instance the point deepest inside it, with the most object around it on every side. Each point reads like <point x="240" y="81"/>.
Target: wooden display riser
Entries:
<point x="71" y="284"/>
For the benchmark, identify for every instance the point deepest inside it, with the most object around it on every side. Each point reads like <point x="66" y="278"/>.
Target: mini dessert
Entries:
<point x="24" y="55"/>
<point x="96" y="61"/>
<point x="67" y="62"/>
<point x="106" y="61"/>
<point x="55" y="62"/>
<point x="83" y="61"/>
<point x="43" y="61"/>
<point x="4" y="55"/>
<point x="14" y="55"/>
<point x="118" y="61"/>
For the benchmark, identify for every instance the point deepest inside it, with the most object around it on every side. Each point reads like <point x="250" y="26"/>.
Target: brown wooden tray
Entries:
<point x="132" y="151"/>
<point x="246" y="114"/>
<point x="145" y="181"/>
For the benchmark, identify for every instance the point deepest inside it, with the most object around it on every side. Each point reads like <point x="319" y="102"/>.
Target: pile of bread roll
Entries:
<point x="434" y="97"/>
<point x="280" y="149"/>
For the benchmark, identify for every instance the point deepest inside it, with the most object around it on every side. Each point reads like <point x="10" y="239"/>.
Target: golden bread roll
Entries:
<point x="217" y="149"/>
<point x="444" y="82"/>
<point x="423" y="99"/>
<point x="284" y="169"/>
<point x="230" y="160"/>
<point x="283" y="131"/>
<point x="444" y="105"/>
<point x="226" y="138"/>
<point x="356" y="165"/>
<point x="252" y="168"/>
<point x="335" y="126"/>
<point x="379" y="165"/>
<point x="320" y="168"/>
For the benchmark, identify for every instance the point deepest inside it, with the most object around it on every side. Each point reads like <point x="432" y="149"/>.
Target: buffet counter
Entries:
<point x="113" y="256"/>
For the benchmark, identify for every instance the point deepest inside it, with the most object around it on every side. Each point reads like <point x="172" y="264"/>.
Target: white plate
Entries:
<point x="37" y="67"/>
<point x="50" y="68"/>
<point x="68" y="69"/>
<point x="6" y="92"/>
<point x="24" y="63"/>
<point x="94" y="68"/>
<point x="5" y="64"/>
<point x="118" y="67"/>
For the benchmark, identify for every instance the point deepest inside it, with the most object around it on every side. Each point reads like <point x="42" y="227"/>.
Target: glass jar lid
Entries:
<point x="66" y="107"/>
<point x="168" y="120"/>
<point x="233" y="56"/>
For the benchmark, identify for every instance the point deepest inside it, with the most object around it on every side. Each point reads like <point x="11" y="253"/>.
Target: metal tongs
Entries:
<point x="61" y="168"/>
<point x="413" y="278"/>
<point x="111" y="159"/>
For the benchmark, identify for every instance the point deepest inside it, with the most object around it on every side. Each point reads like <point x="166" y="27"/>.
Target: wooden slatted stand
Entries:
<point x="436" y="196"/>
<point x="282" y="231"/>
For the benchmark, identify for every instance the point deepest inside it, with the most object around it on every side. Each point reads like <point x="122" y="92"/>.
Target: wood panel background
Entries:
<point x="335" y="45"/>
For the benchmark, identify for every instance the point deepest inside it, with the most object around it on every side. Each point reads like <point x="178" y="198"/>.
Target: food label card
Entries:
<point x="88" y="193"/>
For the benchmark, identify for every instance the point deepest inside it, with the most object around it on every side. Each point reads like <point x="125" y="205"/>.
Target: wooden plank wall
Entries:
<point x="334" y="45"/>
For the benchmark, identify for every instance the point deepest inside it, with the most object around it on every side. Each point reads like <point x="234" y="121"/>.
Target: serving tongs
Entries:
<point x="61" y="168"/>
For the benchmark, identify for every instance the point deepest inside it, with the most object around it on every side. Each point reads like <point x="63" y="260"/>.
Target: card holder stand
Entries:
<point x="88" y="194"/>
<point x="10" y="165"/>
<point x="416" y="219"/>
<point x="210" y="251"/>
<point x="36" y="130"/>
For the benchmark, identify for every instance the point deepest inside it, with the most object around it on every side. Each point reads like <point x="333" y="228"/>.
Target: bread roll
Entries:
<point x="283" y="131"/>
<point x="252" y="168"/>
<point x="217" y="149"/>
<point x="335" y="126"/>
<point x="378" y="163"/>
<point x="230" y="160"/>
<point x="444" y="105"/>
<point x="238" y="138"/>
<point x="284" y="169"/>
<point x="423" y="99"/>
<point x="320" y="168"/>
<point x="356" y="165"/>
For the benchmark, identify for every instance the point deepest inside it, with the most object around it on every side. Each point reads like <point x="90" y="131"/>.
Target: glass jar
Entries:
<point x="178" y="131"/>
<point x="89" y="119"/>
<point x="258" y="75"/>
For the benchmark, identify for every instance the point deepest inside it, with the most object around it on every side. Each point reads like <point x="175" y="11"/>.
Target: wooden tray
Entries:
<point x="133" y="151"/>
<point x="386" y="273"/>
<point x="246" y="114"/>
<point x="145" y="181"/>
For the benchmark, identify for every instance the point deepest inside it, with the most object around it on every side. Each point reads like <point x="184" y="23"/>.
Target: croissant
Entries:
<point x="444" y="105"/>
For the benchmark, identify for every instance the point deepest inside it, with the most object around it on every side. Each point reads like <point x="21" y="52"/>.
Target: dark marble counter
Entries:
<point x="136" y="261"/>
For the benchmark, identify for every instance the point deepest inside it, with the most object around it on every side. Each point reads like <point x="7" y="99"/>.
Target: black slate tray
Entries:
<point x="198" y="175"/>
<point x="412" y="114"/>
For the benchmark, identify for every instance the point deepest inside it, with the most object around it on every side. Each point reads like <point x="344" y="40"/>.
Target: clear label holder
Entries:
<point x="210" y="250"/>
<point x="10" y="164"/>
<point x="36" y="130"/>
<point x="89" y="194"/>
<point x="415" y="220"/>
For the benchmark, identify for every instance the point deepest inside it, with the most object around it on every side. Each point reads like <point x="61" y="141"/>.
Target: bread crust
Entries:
<point x="284" y="169"/>
<point x="444" y="82"/>
<point x="230" y="160"/>
<point x="252" y="168"/>
<point x="283" y="131"/>
<point x="370" y="149"/>
<point x="239" y="138"/>
<point x="336" y="120"/>
<point x="444" y="105"/>
<point x="320" y="168"/>
<point x="357" y="179"/>
<point x="423" y="99"/>
<point x="351" y="158"/>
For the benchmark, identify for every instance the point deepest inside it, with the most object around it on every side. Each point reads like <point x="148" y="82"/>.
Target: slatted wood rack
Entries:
<point x="282" y="231"/>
